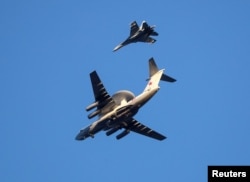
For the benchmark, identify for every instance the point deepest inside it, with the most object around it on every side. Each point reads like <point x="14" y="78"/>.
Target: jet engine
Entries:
<point x="91" y="106"/>
<point x="123" y="134"/>
<point x="111" y="131"/>
<point x="93" y="114"/>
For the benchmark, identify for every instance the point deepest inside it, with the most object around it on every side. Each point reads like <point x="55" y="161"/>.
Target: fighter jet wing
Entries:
<point x="139" y="128"/>
<point x="100" y="93"/>
<point x="150" y="40"/>
<point x="133" y="28"/>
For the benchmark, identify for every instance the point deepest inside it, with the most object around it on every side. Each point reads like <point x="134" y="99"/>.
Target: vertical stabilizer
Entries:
<point x="155" y="75"/>
<point x="133" y="28"/>
<point x="152" y="67"/>
<point x="144" y="25"/>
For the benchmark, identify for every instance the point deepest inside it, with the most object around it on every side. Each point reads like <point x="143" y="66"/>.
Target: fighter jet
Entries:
<point x="116" y="112"/>
<point x="139" y="34"/>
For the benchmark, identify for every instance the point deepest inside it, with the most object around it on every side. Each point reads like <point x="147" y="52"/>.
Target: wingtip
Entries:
<point x="163" y="138"/>
<point x="93" y="72"/>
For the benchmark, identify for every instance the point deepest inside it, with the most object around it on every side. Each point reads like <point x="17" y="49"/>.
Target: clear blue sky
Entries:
<point x="48" y="49"/>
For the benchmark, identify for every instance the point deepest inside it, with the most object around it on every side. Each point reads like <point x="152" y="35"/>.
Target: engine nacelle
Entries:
<point x="111" y="131"/>
<point x="123" y="134"/>
<point x="93" y="114"/>
<point x="91" y="106"/>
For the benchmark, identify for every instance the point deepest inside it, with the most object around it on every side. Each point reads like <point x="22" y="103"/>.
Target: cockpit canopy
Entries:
<point x="123" y="96"/>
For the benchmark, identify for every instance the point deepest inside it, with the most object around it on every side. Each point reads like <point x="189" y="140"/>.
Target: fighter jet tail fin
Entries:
<point x="133" y="28"/>
<point x="144" y="25"/>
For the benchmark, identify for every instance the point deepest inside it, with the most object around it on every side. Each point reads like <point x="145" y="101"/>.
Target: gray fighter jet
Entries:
<point x="139" y="34"/>
<point x="117" y="112"/>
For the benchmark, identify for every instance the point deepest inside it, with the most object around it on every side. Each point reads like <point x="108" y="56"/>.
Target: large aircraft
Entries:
<point x="139" y="34"/>
<point x="117" y="112"/>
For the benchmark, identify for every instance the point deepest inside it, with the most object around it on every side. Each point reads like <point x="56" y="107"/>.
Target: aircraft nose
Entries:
<point x="80" y="136"/>
<point x="83" y="134"/>
<point x="117" y="47"/>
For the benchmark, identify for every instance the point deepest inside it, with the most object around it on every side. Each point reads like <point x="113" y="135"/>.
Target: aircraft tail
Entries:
<point x="155" y="75"/>
<point x="153" y="69"/>
<point x="144" y="25"/>
<point x="133" y="28"/>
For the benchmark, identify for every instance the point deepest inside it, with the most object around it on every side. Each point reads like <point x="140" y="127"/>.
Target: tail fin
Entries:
<point x="155" y="75"/>
<point x="144" y="25"/>
<point x="153" y="69"/>
<point x="133" y="28"/>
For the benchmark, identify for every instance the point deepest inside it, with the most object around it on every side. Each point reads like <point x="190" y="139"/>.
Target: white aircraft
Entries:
<point x="117" y="112"/>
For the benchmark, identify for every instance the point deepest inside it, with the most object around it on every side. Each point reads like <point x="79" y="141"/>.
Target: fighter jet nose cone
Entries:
<point x="117" y="47"/>
<point x="77" y="137"/>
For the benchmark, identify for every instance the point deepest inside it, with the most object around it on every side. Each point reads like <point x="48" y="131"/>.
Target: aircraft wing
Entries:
<point x="139" y="128"/>
<point x="150" y="40"/>
<point x="100" y="93"/>
<point x="133" y="28"/>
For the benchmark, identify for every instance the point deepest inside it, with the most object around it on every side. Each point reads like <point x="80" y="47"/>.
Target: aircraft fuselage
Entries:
<point x="142" y="35"/>
<point x="117" y="111"/>
<point x="117" y="116"/>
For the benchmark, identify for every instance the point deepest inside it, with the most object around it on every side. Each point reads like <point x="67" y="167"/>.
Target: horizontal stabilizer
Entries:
<point x="153" y="69"/>
<point x="167" y="78"/>
<point x="150" y="40"/>
<point x="154" y="33"/>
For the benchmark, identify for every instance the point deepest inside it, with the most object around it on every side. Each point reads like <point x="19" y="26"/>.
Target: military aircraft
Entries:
<point x="117" y="112"/>
<point x="139" y="34"/>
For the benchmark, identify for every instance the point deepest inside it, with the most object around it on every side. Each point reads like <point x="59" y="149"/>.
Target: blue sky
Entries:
<point x="48" y="49"/>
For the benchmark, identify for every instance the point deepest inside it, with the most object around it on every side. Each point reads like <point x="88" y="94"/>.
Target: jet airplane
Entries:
<point x="117" y="112"/>
<point x="139" y="34"/>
